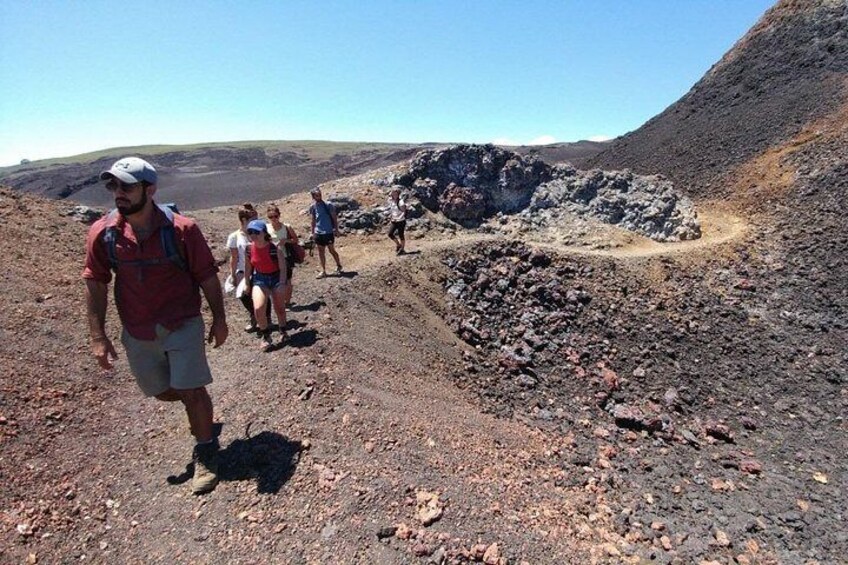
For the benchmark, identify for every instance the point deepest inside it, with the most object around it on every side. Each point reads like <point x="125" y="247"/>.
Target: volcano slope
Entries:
<point x="766" y="131"/>
<point x="646" y="407"/>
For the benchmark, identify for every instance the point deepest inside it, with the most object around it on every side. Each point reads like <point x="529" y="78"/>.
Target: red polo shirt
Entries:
<point x="147" y="295"/>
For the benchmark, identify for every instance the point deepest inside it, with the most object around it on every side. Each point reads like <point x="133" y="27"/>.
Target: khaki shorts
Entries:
<point x="175" y="359"/>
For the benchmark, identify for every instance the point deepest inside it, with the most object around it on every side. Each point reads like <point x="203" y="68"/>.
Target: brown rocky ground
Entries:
<point x="538" y="397"/>
<point x="381" y="415"/>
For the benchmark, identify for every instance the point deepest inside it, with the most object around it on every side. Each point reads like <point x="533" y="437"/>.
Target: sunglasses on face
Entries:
<point x="114" y="184"/>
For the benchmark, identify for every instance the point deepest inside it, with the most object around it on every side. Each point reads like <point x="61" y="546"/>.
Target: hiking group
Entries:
<point x="262" y="258"/>
<point x="161" y="262"/>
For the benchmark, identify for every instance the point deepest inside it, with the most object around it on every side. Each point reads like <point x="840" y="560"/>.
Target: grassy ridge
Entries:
<point x="314" y="148"/>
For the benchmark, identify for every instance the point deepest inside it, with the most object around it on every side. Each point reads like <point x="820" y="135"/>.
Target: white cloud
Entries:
<point x="542" y="140"/>
<point x="599" y="138"/>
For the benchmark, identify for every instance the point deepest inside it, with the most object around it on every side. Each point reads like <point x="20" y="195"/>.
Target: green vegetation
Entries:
<point x="311" y="148"/>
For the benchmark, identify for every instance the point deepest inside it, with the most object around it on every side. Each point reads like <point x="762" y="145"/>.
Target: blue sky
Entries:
<point x="81" y="76"/>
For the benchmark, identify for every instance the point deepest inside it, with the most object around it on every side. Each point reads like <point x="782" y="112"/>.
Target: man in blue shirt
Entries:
<point x="325" y="228"/>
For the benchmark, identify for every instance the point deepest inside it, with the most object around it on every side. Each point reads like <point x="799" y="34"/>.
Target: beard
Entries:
<point x="133" y="208"/>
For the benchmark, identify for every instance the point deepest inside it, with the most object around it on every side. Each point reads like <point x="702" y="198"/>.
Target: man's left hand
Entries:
<point x="218" y="332"/>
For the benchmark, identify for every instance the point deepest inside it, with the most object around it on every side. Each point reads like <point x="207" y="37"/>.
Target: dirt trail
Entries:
<point x="718" y="226"/>
<point x="329" y="441"/>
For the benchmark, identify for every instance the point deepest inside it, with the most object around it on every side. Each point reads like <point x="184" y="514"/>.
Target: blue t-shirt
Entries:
<point x="323" y="214"/>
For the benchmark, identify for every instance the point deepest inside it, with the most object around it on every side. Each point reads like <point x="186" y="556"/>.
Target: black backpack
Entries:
<point x="167" y="236"/>
<point x="272" y="252"/>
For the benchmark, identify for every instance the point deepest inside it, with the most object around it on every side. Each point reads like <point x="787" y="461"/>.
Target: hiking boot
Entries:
<point x="205" y="467"/>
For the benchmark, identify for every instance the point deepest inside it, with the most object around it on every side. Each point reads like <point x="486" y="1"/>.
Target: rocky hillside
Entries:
<point x="766" y="129"/>
<point x="482" y="399"/>
<point x="779" y="83"/>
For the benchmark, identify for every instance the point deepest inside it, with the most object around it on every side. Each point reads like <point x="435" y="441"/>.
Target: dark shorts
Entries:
<point x="397" y="228"/>
<point x="324" y="239"/>
<point x="269" y="280"/>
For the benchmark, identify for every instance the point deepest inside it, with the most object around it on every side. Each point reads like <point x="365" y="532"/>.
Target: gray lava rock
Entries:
<point x="645" y="204"/>
<point x="469" y="183"/>
<point x="354" y="217"/>
<point x="84" y="214"/>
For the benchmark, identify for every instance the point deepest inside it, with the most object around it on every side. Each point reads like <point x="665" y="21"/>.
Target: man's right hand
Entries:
<point x="104" y="352"/>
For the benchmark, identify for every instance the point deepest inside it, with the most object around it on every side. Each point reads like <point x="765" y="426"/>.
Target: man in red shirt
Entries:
<point x="161" y="261"/>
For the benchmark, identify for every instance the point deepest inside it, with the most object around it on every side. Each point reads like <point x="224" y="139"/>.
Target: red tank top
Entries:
<point x="260" y="258"/>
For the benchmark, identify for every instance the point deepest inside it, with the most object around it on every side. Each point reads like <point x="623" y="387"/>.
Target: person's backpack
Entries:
<point x="167" y="237"/>
<point x="295" y="250"/>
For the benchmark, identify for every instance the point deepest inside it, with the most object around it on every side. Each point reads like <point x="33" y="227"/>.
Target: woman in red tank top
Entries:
<point x="265" y="271"/>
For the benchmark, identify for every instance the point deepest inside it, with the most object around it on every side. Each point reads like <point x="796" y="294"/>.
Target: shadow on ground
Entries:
<point x="268" y="457"/>
<point x="311" y="307"/>
<point x="306" y="338"/>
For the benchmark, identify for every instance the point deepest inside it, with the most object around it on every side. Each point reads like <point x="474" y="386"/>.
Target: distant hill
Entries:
<point x="217" y="174"/>
<point x="577" y="153"/>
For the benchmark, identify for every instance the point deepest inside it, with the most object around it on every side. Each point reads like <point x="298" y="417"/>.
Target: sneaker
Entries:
<point x="321" y="276"/>
<point x="283" y="337"/>
<point x="205" y="468"/>
<point x="401" y="251"/>
<point x="339" y="270"/>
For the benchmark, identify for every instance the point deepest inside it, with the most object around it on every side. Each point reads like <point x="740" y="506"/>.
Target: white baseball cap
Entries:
<point x="131" y="170"/>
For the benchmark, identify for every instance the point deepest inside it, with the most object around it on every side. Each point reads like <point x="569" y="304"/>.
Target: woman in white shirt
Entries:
<point x="237" y="243"/>
<point x="396" y="207"/>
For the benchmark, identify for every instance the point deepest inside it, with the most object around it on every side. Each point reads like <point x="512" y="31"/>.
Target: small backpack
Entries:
<point x="294" y="249"/>
<point x="167" y="237"/>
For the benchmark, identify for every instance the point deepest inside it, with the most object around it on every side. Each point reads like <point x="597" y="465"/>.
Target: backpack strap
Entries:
<point x="110" y="237"/>
<point x="167" y="238"/>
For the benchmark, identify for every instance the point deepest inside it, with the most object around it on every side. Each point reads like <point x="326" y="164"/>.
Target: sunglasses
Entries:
<point x="253" y="232"/>
<point x="113" y="185"/>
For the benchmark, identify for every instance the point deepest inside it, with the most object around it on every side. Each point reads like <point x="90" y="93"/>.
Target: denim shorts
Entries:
<point x="269" y="280"/>
<point x="175" y="359"/>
